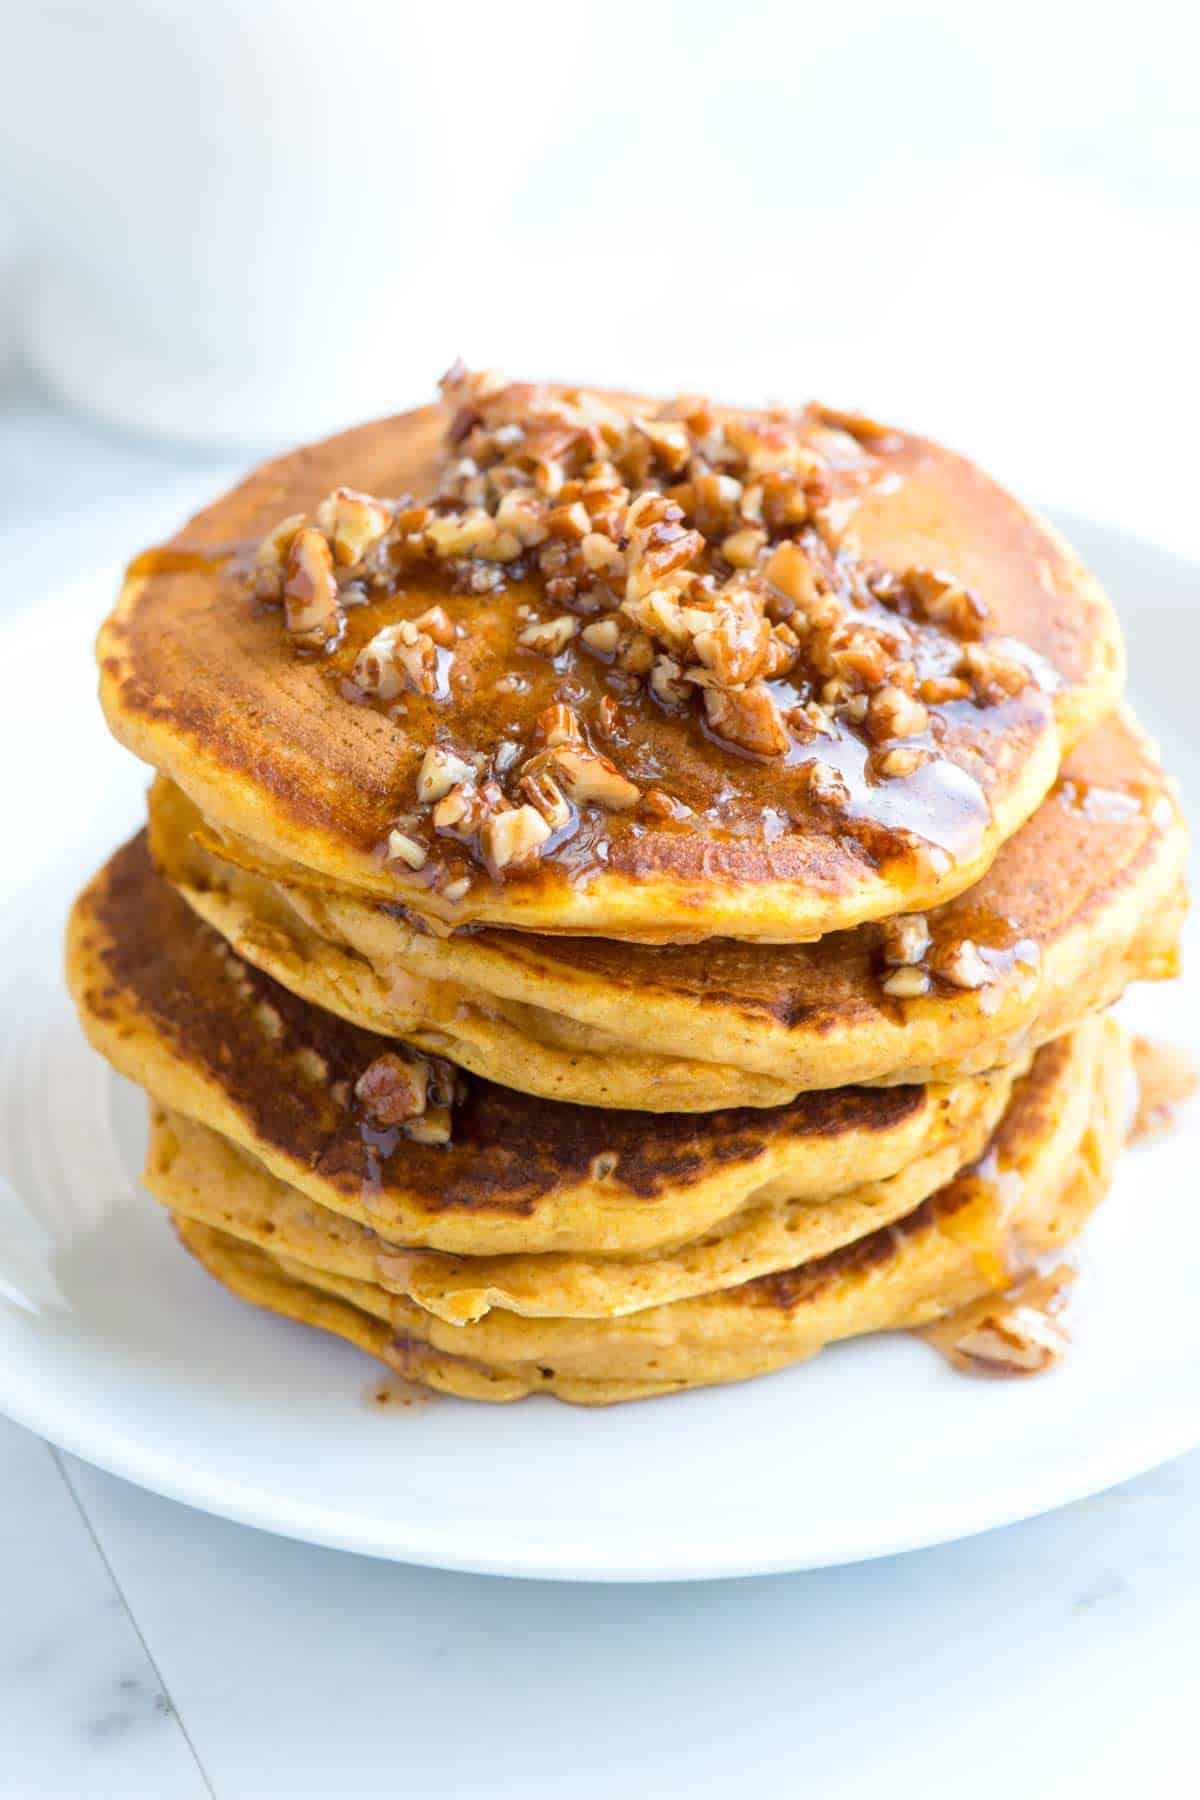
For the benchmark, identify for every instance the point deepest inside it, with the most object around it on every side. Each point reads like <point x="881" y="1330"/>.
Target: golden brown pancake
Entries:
<point x="1087" y="897"/>
<point x="162" y="996"/>
<point x="199" y="680"/>
<point x="1047" y="1168"/>
<point x="197" y="1174"/>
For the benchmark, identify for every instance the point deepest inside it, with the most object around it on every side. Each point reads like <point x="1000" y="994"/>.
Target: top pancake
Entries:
<point x="274" y="745"/>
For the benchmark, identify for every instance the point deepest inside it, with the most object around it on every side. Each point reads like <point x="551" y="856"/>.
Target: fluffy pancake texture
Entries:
<point x="207" y="1035"/>
<point x="1086" y="897"/>
<point x="1046" y="1168"/>
<point x="200" y="680"/>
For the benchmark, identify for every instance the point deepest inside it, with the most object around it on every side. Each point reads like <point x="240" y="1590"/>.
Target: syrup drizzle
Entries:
<point x="1023" y="1331"/>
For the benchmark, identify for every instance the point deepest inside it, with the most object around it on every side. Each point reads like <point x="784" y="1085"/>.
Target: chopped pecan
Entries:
<point x="401" y="847"/>
<point x="393" y="1089"/>
<point x="433" y="1126"/>
<point x="711" y="501"/>
<point x="310" y="593"/>
<point x="462" y="534"/>
<point x="857" y="654"/>
<point x="557" y="725"/>
<point x="660" y="616"/>
<point x="311" y="1064"/>
<point x="826" y="787"/>
<point x="441" y="769"/>
<point x="891" y="713"/>
<point x="785" y="497"/>
<point x="635" y="653"/>
<point x="906" y="982"/>
<point x="936" y="690"/>
<point x="513" y="839"/>
<point x="549" y="637"/>
<point x="659" y="544"/>
<point x="748" y="717"/>
<point x="961" y="964"/>
<point x="542" y="790"/>
<point x="602" y="556"/>
<point x="523" y="515"/>
<point x="591" y="778"/>
<point x="794" y="574"/>
<point x="667" y="683"/>
<point x="602" y="637"/>
<point x="271" y="557"/>
<point x="461" y="812"/>
<point x="733" y="640"/>
<point x="398" y="657"/>
<point x="905" y="938"/>
<point x="1020" y="1332"/>
<point x="570" y="521"/>
<point x="895" y="764"/>
<point x="668" y="440"/>
<point x="993" y="677"/>
<point x="742" y="548"/>
<point x="436" y="623"/>
<point x="353" y="523"/>
<point x="945" y="600"/>
<point x="661" y="805"/>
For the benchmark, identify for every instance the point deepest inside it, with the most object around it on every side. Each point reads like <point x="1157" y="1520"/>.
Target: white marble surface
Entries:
<point x="83" y="1709"/>
<point x="148" y="1650"/>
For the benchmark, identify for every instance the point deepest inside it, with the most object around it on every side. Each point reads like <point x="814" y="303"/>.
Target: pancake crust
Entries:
<point x="161" y="995"/>
<point x="198" y="681"/>
<point x="1087" y="897"/>
<point x="1047" y="1169"/>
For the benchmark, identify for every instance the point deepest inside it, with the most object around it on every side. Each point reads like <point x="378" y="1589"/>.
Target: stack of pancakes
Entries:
<point x="630" y="894"/>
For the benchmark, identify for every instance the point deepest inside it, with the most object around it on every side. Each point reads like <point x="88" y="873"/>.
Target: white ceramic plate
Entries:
<point x="114" y="1344"/>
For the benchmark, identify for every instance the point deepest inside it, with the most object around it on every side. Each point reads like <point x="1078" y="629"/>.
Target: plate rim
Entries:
<point x="247" y="1504"/>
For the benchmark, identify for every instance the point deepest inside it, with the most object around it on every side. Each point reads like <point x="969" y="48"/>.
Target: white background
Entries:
<point x="982" y="221"/>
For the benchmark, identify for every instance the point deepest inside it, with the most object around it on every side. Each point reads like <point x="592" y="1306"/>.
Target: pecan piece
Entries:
<point x="513" y="839"/>
<point x="588" y="777"/>
<point x="891" y="713"/>
<point x="271" y="558"/>
<point x="310" y="593"/>
<point x="393" y="1089"/>
<point x="405" y="849"/>
<point x="961" y="964"/>
<point x="548" y="637"/>
<point x="353" y="523"/>
<point x="946" y="601"/>
<point x="441" y="769"/>
<point x="398" y="657"/>
<point x="905" y="938"/>
<point x="748" y="717"/>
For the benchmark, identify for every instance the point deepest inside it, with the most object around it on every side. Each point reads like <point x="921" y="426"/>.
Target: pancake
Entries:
<point x="162" y="996"/>
<point x="199" y="1179"/>
<point x="791" y="803"/>
<point x="1087" y="897"/>
<point x="1047" y="1168"/>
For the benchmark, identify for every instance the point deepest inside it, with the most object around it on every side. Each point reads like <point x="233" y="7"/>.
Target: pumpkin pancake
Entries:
<point x="766" y="1235"/>
<point x="758" y="676"/>
<point x="1046" y="1169"/>
<point x="1087" y="897"/>
<point x="311" y="1097"/>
